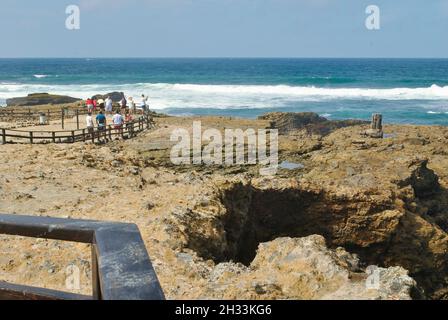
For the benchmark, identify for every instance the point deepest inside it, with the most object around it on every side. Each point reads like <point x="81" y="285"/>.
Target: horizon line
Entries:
<point x="224" y="57"/>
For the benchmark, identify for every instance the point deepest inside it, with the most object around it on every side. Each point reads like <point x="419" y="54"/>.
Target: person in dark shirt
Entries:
<point x="101" y="122"/>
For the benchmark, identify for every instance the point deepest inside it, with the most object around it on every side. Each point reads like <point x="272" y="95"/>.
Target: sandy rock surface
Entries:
<point x="227" y="232"/>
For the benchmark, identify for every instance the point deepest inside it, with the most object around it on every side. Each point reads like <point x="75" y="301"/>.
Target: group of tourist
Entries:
<point x="128" y="104"/>
<point x="105" y="107"/>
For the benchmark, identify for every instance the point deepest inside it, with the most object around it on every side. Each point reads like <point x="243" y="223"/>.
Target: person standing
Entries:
<point x="118" y="122"/>
<point x="89" y="124"/>
<point x="101" y="122"/>
<point x="89" y="104"/>
<point x="132" y="109"/>
<point x="144" y="103"/>
<point x="100" y="104"/>
<point x="109" y="105"/>
<point x="123" y="102"/>
<point x="128" y="120"/>
<point x="95" y="104"/>
<point x="128" y="117"/>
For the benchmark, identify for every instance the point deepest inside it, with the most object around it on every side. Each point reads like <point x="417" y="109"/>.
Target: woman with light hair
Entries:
<point x="132" y="107"/>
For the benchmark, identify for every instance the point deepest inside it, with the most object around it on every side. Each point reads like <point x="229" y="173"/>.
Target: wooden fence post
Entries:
<point x="62" y="117"/>
<point x="110" y="132"/>
<point x="95" y="276"/>
<point x="84" y="135"/>
<point x="3" y="136"/>
<point x="31" y="137"/>
<point x="53" y="135"/>
<point x="73" y="136"/>
<point x="130" y="130"/>
<point x="77" y="119"/>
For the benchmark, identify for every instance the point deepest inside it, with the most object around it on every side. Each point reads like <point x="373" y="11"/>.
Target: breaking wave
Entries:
<point x="164" y="95"/>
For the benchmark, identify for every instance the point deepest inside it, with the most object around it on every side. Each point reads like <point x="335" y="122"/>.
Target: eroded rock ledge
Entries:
<point x="384" y="226"/>
<point x="37" y="99"/>
<point x="301" y="268"/>
<point x="216" y="232"/>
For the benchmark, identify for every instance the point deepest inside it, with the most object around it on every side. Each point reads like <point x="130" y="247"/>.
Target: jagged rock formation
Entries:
<point x="37" y="99"/>
<point x="372" y="197"/>
<point x="377" y="226"/>
<point x="304" y="268"/>
<point x="309" y="121"/>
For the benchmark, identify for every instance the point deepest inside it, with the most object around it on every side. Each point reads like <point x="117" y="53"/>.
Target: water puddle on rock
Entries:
<point x="291" y="165"/>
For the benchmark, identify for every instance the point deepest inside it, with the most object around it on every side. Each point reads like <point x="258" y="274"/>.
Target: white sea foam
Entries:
<point x="40" y="76"/>
<point x="431" y="93"/>
<point x="165" y="95"/>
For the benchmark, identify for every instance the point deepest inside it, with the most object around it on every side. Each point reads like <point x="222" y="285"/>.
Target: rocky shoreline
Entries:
<point x="41" y="99"/>
<point x="226" y="232"/>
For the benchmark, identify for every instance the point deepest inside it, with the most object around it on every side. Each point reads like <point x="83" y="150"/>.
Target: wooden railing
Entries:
<point x="35" y="113"/>
<point x="121" y="267"/>
<point x="128" y="130"/>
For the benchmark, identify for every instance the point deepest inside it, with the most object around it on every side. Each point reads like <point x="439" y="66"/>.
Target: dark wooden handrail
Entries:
<point x="20" y="114"/>
<point x="71" y="136"/>
<point x="121" y="268"/>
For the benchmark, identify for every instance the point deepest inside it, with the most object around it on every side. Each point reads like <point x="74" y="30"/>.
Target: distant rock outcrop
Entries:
<point x="115" y="96"/>
<point x="37" y="99"/>
<point x="286" y="122"/>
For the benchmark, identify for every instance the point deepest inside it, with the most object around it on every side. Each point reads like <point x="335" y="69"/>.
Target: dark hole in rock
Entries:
<point x="376" y="229"/>
<point x="255" y="216"/>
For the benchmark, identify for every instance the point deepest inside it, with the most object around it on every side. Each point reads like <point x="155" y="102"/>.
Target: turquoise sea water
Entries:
<point x="404" y="90"/>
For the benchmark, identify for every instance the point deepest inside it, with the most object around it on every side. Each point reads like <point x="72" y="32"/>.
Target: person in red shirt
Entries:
<point x="129" y="125"/>
<point x="89" y="104"/>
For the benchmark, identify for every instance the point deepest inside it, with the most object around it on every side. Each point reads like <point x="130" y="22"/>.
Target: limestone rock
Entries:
<point x="115" y="96"/>
<point x="374" y="224"/>
<point x="304" y="268"/>
<point x="310" y="121"/>
<point x="36" y="99"/>
<point x="373" y="133"/>
<point x="385" y="201"/>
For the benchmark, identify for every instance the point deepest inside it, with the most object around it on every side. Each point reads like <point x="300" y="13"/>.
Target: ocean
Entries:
<point x="413" y="91"/>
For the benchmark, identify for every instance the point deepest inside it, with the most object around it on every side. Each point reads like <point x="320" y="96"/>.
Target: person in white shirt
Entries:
<point x="144" y="103"/>
<point x="109" y="105"/>
<point x="131" y="105"/>
<point x="89" y="123"/>
<point x="118" y="122"/>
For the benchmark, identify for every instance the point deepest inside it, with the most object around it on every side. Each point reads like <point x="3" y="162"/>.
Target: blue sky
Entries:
<point x="224" y="28"/>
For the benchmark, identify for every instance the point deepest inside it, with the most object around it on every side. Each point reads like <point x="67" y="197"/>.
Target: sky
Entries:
<point x="224" y="28"/>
